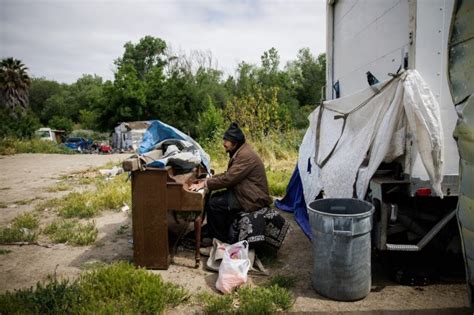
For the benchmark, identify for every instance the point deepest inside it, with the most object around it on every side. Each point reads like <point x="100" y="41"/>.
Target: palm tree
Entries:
<point x="14" y="83"/>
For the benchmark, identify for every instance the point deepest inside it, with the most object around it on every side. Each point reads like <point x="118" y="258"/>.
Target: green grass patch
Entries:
<point x="21" y="229"/>
<point x="72" y="232"/>
<point x="5" y="251"/>
<point x="86" y="180"/>
<point x="48" y="204"/>
<point x="59" y="187"/>
<point x="247" y="300"/>
<point x="107" y="195"/>
<point x="217" y="304"/>
<point x="9" y="146"/>
<point x="121" y="287"/>
<point x="114" y="289"/>
<point x="54" y="297"/>
<point x="278" y="181"/>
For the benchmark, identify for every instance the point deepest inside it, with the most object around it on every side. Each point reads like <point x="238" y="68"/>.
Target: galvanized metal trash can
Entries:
<point x="341" y="247"/>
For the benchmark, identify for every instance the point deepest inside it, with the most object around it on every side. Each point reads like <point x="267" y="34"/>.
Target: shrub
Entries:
<point x="72" y="232"/>
<point x="61" y="123"/>
<point x="247" y="300"/>
<point x="54" y="297"/>
<point x="118" y="288"/>
<point x="18" y="124"/>
<point x="217" y="304"/>
<point x="263" y="300"/>
<point x="109" y="194"/>
<point x="9" y="146"/>
<point x="21" y="229"/>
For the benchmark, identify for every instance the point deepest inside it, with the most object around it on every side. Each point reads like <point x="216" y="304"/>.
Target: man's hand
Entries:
<point x="197" y="185"/>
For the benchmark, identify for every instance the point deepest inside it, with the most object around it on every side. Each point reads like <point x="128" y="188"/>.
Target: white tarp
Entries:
<point x="379" y="120"/>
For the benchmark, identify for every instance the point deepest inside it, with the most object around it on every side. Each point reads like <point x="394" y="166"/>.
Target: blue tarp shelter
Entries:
<point x="159" y="131"/>
<point x="294" y="202"/>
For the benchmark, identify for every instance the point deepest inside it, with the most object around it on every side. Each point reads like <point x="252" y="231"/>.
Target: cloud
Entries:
<point x="62" y="40"/>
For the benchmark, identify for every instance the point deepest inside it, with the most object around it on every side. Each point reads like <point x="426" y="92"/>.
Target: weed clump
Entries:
<point x="72" y="232"/>
<point x="247" y="300"/>
<point x="108" y="194"/>
<point x="59" y="187"/>
<point x="217" y="304"/>
<point x="9" y="146"/>
<point x="120" y="288"/>
<point x="114" y="289"/>
<point x="21" y="229"/>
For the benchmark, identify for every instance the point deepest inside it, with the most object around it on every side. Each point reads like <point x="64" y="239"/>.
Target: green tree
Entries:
<point x="257" y="114"/>
<point x="310" y="77"/>
<point x="124" y="99"/>
<point x="63" y="104"/>
<point x="144" y="56"/>
<point x="87" y="91"/>
<point x="211" y="121"/>
<point x="61" y="123"/>
<point x="136" y="91"/>
<point x="14" y="83"/>
<point x="40" y="90"/>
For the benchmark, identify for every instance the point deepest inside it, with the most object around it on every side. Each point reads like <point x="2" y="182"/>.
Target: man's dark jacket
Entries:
<point x="246" y="177"/>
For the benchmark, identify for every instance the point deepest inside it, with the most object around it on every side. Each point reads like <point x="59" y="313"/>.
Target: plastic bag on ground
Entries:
<point x="234" y="267"/>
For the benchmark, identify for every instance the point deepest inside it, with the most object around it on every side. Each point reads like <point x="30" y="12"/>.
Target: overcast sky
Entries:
<point x="63" y="39"/>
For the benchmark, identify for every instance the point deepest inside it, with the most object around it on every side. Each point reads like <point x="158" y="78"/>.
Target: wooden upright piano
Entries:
<point x="154" y="193"/>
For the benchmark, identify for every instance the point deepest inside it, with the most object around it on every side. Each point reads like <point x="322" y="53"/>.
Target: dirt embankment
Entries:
<point x="23" y="179"/>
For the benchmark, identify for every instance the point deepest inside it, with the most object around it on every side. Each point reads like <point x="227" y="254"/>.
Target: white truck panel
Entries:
<point x="432" y="32"/>
<point x="369" y="35"/>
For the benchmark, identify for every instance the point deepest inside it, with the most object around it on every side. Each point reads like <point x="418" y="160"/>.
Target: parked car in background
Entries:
<point x="105" y="148"/>
<point x="48" y="134"/>
<point x="101" y="147"/>
<point x="78" y="143"/>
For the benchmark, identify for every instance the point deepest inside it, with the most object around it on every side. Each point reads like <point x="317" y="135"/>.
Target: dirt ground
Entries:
<point x="24" y="177"/>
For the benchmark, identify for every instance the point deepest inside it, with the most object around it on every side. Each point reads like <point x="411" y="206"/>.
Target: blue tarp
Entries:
<point x="294" y="202"/>
<point x="159" y="131"/>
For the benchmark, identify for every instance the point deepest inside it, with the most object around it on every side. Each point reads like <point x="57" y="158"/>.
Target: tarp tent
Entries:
<point x="348" y="138"/>
<point x="159" y="131"/>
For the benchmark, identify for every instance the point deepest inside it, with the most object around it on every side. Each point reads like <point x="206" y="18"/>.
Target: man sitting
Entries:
<point x="245" y="183"/>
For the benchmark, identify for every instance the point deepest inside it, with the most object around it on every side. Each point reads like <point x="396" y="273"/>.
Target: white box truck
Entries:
<point x="366" y="41"/>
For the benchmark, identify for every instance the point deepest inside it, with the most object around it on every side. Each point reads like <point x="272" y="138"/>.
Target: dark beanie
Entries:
<point x="234" y="134"/>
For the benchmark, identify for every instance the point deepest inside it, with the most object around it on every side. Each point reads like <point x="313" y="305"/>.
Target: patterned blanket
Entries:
<point x="263" y="226"/>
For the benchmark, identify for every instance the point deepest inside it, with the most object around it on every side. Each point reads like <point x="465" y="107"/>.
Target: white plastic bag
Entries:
<point x="234" y="267"/>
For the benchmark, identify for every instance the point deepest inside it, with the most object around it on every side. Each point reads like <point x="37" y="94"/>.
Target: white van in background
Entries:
<point x="48" y="134"/>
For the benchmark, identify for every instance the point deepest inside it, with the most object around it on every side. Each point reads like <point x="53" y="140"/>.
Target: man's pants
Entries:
<point x="222" y="208"/>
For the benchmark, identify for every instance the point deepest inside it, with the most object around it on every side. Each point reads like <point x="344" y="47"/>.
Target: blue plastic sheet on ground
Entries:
<point x="159" y="131"/>
<point x="294" y="202"/>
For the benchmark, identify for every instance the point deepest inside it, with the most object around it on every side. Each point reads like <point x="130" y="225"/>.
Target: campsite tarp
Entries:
<point x="159" y="131"/>
<point x="348" y="138"/>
